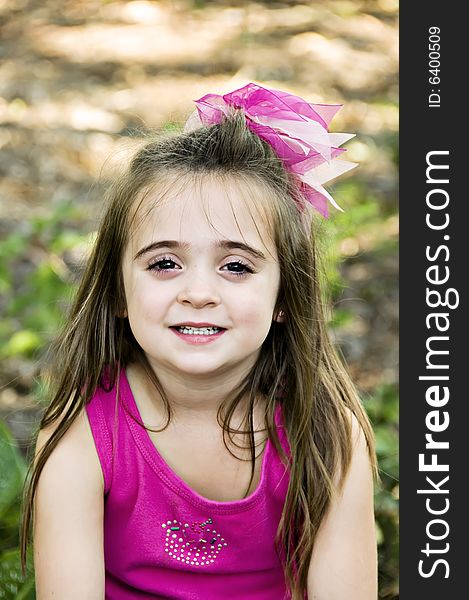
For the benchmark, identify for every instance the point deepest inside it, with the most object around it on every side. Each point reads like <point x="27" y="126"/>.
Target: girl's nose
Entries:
<point x="199" y="290"/>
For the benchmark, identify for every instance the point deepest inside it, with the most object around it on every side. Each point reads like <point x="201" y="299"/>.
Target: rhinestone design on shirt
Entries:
<point x="193" y="543"/>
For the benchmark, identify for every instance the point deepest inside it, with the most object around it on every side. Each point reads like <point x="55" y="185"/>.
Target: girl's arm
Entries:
<point x="68" y="526"/>
<point x="344" y="559"/>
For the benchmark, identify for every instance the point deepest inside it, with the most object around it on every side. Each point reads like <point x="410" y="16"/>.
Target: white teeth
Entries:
<point x="198" y="330"/>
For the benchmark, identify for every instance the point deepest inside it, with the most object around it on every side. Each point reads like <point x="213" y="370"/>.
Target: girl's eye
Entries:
<point x="162" y="266"/>
<point x="240" y="268"/>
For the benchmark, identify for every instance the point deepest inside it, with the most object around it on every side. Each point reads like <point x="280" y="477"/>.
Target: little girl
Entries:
<point x="204" y="441"/>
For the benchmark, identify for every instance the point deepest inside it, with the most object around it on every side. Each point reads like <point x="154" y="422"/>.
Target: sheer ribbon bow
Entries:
<point x="296" y="130"/>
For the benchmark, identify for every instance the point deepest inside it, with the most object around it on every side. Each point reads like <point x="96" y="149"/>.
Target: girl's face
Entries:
<point x="183" y="268"/>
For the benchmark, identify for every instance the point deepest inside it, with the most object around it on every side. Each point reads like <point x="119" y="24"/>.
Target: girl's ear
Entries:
<point x="279" y="316"/>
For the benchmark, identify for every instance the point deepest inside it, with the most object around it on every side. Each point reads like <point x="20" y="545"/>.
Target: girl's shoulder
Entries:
<point x="76" y="444"/>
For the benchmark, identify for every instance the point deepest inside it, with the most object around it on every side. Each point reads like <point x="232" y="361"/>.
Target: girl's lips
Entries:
<point x="192" y="324"/>
<point x="191" y="338"/>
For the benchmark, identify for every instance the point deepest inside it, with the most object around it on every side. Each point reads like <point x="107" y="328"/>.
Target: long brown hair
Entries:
<point x="298" y="365"/>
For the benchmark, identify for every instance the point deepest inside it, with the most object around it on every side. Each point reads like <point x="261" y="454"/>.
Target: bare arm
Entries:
<point x="68" y="524"/>
<point x="344" y="559"/>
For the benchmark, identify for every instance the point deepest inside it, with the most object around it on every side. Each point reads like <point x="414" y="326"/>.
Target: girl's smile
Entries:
<point x="198" y="335"/>
<point x="201" y="279"/>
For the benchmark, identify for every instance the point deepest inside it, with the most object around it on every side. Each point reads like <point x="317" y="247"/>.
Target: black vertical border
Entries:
<point x="423" y="129"/>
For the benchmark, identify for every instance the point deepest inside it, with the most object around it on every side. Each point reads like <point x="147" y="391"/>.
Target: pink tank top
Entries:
<point x="161" y="538"/>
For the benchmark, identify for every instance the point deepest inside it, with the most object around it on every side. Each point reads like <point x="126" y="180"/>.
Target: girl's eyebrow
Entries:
<point x="226" y="244"/>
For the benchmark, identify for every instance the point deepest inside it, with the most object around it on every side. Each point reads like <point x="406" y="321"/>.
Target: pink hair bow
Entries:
<point x="296" y="130"/>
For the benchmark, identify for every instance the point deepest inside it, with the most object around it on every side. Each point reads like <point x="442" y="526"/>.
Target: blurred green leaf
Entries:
<point x="12" y="470"/>
<point x="23" y="342"/>
<point x="34" y="310"/>
<point x="13" y="585"/>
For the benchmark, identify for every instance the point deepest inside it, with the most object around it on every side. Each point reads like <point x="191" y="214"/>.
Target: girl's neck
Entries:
<point x="189" y="400"/>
